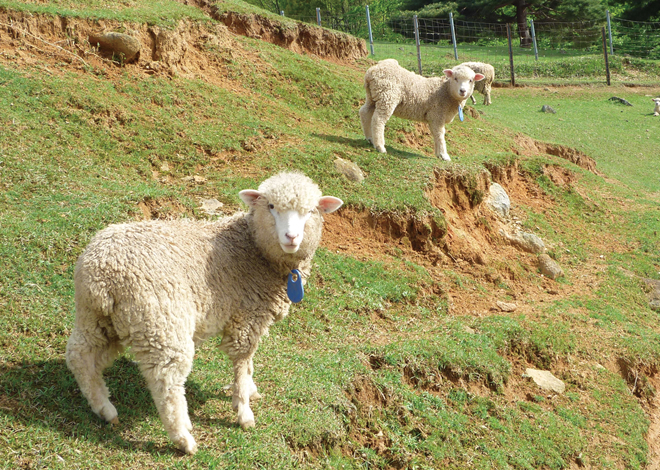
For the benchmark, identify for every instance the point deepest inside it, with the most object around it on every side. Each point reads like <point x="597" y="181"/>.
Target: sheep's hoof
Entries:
<point x="186" y="444"/>
<point x="381" y="149"/>
<point x="445" y="158"/>
<point x="247" y="425"/>
<point x="255" y="396"/>
<point x="109" y="413"/>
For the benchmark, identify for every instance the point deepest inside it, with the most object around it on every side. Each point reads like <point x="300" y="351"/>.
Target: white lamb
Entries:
<point x="391" y="89"/>
<point x="656" y="111"/>
<point x="483" y="86"/>
<point x="163" y="287"/>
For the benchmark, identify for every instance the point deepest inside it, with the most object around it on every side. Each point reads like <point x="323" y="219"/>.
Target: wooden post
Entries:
<point x="607" y="62"/>
<point x="508" y="35"/>
<point x="318" y="16"/>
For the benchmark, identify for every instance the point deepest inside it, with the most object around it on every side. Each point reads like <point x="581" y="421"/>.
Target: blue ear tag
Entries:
<point x="294" y="288"/>
<point x="460" y="113"/>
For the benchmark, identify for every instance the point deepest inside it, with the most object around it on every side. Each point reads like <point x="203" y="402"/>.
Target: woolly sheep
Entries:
<point x="163" y="287"/>
<point x="656" y="111"/>
<point x="391" y="89"/>
<point x="483" y="86"/>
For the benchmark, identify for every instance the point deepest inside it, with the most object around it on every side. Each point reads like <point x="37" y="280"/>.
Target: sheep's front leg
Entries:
<point x="438" y="131"/>
<point x="244" y="389"/>
<point x="474" y="101"/>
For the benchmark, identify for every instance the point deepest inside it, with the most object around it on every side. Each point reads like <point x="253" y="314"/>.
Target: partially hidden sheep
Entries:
<point x="483" y="86"/>
<point x="393" y="90"/>
<point x="656" y="111"/>
<point x="163" y="287"/>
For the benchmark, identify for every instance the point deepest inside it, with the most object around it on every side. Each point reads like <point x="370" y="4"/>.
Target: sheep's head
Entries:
<point x="461" y="81"/>
<point x="290" y="200"/>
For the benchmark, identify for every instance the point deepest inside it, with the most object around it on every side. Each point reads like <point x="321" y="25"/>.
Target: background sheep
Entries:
<point x="483" y="86"/>
<point x="161" y="288"/>
<point x="656" y="111"/>
<point x="391" y="89"/>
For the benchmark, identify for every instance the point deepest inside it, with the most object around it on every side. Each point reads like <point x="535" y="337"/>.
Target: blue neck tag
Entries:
<point x="294" y="287"/>
<point x="460" y="113"/>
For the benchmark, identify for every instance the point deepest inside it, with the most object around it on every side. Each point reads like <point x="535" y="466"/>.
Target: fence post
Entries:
<point x="318" y="16"/>
<point x="508" y="35"/>
<point x="453" y="34"/>
<point x="607" y="64"/>
<point x="609" y="30"/>
<point x="536" y="50"/>
<point x="371" y="36"/>
<point x="419" y="52"/>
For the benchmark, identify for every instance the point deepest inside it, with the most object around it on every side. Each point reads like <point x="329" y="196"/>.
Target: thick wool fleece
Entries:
<point x="392" y="90"/>
<point x="163" y="287"/>
<point x="483" y="86"/>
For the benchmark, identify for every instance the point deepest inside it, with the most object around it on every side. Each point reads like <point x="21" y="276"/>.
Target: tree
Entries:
<point x="639" y="10"/>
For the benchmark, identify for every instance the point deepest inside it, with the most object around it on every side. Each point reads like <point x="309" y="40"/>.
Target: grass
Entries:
<point x="377" y="368"/>
<point x="552" y="66"/>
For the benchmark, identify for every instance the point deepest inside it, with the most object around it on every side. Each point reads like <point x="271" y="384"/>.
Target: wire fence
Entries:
<point x="540" y="50"/>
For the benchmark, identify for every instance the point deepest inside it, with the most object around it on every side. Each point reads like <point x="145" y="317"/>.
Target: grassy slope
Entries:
<point x="354" y="376"/>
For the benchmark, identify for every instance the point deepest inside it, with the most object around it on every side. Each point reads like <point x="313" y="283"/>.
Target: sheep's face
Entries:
<point x="290" y="206"/>
<point x="461" y="81"/>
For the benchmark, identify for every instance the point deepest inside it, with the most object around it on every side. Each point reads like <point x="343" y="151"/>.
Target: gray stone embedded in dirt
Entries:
<point x="211" y="206"/>
<point x="616" y="99"/>
<point x="549" y="267"/>
<point x="526" y="241"/>
<point x="349" y="169"/>
<point x="117" y="43"/>
<point x="548" y="109"/>
<point x="546" y="380"/>
<point x="654" y="293"/>
<point x="498" y="200"/>
<point x="506" y="306"/>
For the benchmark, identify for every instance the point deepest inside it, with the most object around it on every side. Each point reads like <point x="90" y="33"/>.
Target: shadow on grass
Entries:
<point x="362" y="143"/>
<point x="45" y="394"/>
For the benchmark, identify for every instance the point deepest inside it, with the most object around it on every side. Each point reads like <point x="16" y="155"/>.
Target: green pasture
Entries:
<point x="375" y="369"/>
<point x="554" y="66"/>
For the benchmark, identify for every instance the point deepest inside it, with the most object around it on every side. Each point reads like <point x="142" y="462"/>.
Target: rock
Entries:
<point x="549" y="267"/>
<point x="546" y="380"/>
<point x="349" y="169"/>
<point x="506" y="307"/>
<point x="526" y="241"/>
<point x="654" y="293"/>
<point x="616" y="99"/>
<point x="118" y="44"/>
<point x="548" y="109"/>
<point x="498" y="200"/>
<point x="211" y="206"/>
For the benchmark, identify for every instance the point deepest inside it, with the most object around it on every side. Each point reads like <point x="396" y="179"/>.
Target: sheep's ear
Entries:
<point x="448" y="72"/>
<point x="329" y="204"/>
<point x="478" y="77"/>
<point x="249" y="196"/>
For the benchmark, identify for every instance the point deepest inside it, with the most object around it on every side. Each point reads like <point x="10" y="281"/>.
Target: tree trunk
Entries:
<point x="521" y="19"/>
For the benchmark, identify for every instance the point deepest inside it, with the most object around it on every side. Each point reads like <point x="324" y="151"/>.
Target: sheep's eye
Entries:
<point x="270" y="206"/>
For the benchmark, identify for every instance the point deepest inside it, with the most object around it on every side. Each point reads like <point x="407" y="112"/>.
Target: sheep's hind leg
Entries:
<point x="366" y="114"/>
<point x="379" y="119"/>
<point x="166" y="372"/>
<point x="88" y="353"/>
